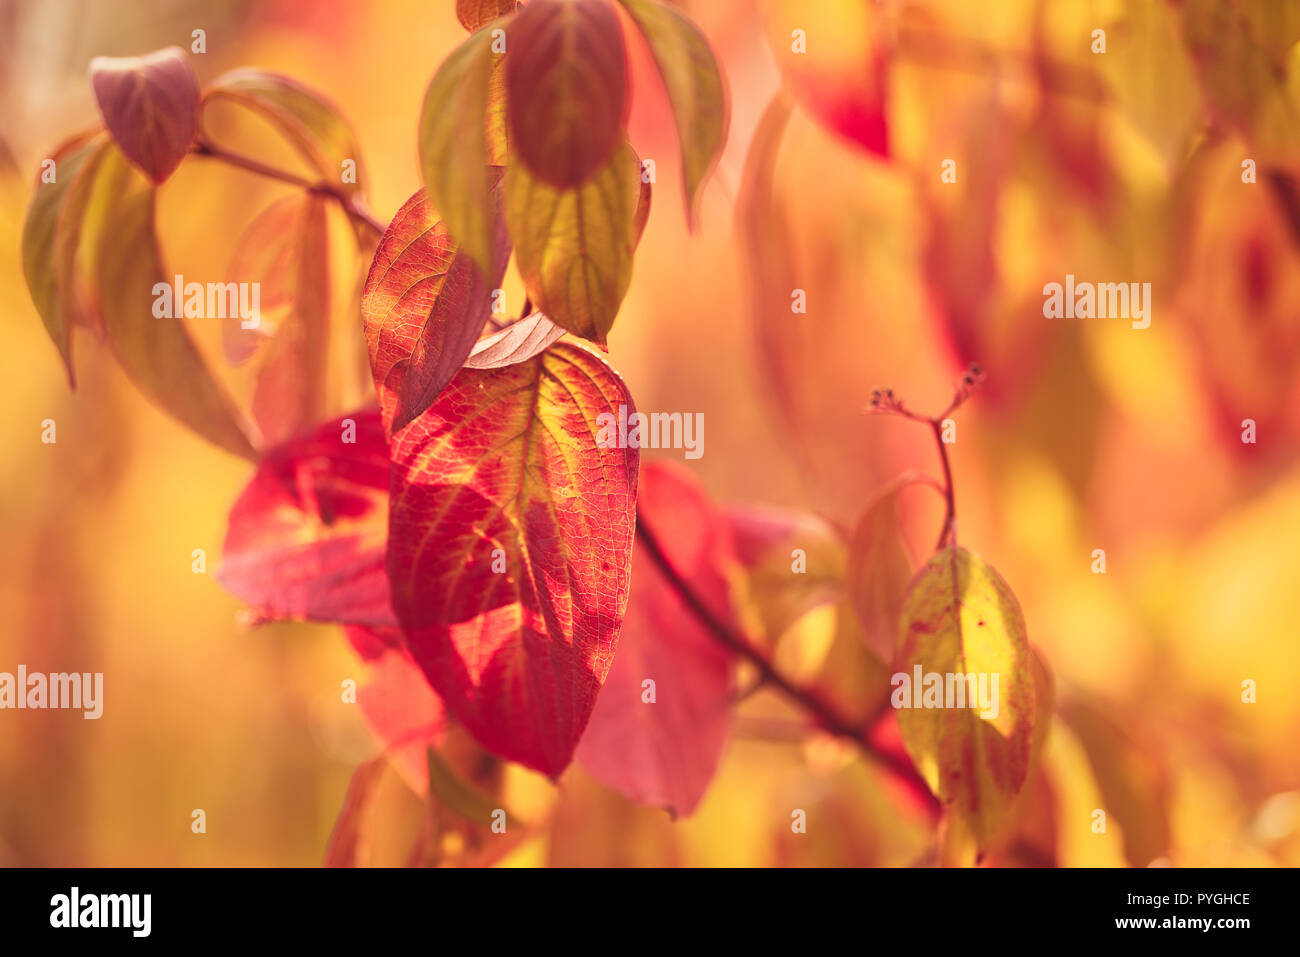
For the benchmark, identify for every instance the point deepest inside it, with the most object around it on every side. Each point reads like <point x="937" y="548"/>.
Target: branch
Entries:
<point x="826" y="714"/>
<point x="348" y="203"/>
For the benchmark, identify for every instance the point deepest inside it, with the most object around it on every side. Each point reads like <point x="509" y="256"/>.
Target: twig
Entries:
<point x="826" y="714"/>
<point x="349" y="204"/>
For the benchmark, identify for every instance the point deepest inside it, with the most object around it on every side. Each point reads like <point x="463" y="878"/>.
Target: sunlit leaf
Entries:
<point x="694" y="84"/>
<point x="664" y="752"/>
<point x="150" y="105"/>
<point x="961" y="618"/>
<point x="424" y="307"/>
<point x="157" y="353"/>
<point x="457" y="149"/>
<point x="474" y="14"/>
<point x="313" y="125"/>
<point x="510" y="548"/>
<point x="306" y="538"/>
<point x="574" y="247"/>
<point x="566" y="86"/>
<point x="517" y="342"/>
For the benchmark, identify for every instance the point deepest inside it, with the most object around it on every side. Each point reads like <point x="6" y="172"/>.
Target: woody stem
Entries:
<point x="827" y="715"/>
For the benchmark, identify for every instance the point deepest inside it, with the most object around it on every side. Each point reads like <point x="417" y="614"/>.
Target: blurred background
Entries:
<point x="1122" y="166"/>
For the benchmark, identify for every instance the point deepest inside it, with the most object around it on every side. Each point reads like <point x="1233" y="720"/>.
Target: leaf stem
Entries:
<point x="827" y="715"/>
<point x="350" y="205"/>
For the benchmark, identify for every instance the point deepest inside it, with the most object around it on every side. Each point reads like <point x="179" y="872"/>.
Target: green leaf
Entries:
<point x="458" y="146"/>
<point x="694" y="85"/>
<point x="49" y="242"/>
<point x="573" y="247"/>
<point x="157" y="353"/>
<point x="961" y="618"/>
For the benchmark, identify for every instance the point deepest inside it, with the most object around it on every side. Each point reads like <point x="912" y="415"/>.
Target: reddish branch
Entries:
<point x="827" y="715"/>
<point x="355" y="210"/>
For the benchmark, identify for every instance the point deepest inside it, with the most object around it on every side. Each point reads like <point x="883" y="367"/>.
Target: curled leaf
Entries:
<point x="574" y="246"/>
<point x="566" y="88"/>
<point x="878" y="573"/>
<point x="968" y="720"/>
<point x="424" y="307"/>
<point x="663" y="717"/>
<point x="150" y="105"/>
<point x="517" y="342"/>
<point x="510" y="548"/>
<point x="306" y="538"/>
<point x="694" y="84"/>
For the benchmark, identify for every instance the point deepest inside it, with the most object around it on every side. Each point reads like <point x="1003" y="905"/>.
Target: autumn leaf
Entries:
<point x="402" y="712"/>
<point x="311" y="123"/>
<point x="878" y="573"/>
<point x="566" y="89"/>
<point x="51" y="233"/>
<point x="285" y="255"/>
<point x="574" y="247"/>
<point x="517" y="342"/>
<point x="510" y="548"/>
<point x="306" y="537"/>
<point x="459" y="148"/>
<point x="347" y="845"/>
<point x="960" y="618"/>
<point x="794" y="562"/>
<point x="694" y="85"/>
<point x="156" y="352"/>
<point x="150" y="105"/>
<point x="665" y="751"/>
<point x="474" y="14"/>
<point x="424" y="307"/>
<point x="835" y="62"/>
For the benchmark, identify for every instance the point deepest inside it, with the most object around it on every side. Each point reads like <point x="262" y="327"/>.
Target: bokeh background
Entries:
<point x="1123" y="166"/>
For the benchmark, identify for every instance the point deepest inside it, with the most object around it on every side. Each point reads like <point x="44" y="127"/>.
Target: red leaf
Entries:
<point x="665" y="753"/>
<point x="400" y="709"/>
<point x="424" y="307"/>
<point x="566" y="88"/>
<point x="306" y="536"/>
<point x="504" y="467"/>
<point x="150" y="105"/>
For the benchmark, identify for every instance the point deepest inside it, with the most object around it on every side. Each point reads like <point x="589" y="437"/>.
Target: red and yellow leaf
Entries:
<point x="664" y="751"/>
<point x="474" y="14"/>
<point x="961" y="618"/>
<point x="150" y="105"/>
<point x="424" y="307"/>
<point x="510" y="549"/>
<point x="306" y="538"/>
<point x="566" y="88"/>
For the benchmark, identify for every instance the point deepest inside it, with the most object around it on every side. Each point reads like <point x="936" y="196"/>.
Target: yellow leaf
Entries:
<point x="574" y="246"/>
<point x="960" y="619"/>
